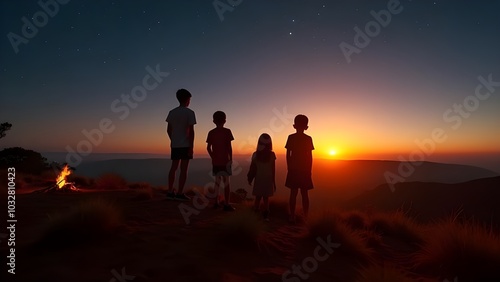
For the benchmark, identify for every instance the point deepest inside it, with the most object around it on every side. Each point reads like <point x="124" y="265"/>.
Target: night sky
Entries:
<point x="262" y="64"/>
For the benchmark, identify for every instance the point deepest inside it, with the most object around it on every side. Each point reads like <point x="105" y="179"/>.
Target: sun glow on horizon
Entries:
<point x="331" y="153"/>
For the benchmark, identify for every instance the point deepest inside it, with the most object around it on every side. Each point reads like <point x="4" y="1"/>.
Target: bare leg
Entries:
<point x="183" y="176"/>
<point x="266" y="203"/>
<point x="227" y="189"/>
<point x="217" y="188"/>
<point x="266" y="208"/>
<point x="293" y="201"/>
<point x="171" y="175"/>
<point x="257" y="203"/>
<point x="305" y="201"/>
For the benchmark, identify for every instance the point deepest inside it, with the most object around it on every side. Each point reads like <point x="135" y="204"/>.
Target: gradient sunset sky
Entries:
<point x="265" y="62"/>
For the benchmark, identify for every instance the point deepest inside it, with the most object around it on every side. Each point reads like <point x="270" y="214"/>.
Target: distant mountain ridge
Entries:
<point x="475" y="199"/>
<point x="341" y="179"/>
<point x="352" y="177"/>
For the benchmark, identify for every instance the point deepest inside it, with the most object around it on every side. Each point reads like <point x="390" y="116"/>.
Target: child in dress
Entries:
<point x="262" y="173"/>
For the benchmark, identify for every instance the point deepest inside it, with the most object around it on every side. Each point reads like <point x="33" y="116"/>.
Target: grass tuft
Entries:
<point x="355" y="219"/>
<point x="88" y="221"/>
<point x="352" y="242"/>
<point x="385" y="273"/>
<point x="241" y="229"/>
<point x="145" y="192"/>
<point x="111" y="181"/>
<point x="465" y="250"/>
<point x="398" y="224"/>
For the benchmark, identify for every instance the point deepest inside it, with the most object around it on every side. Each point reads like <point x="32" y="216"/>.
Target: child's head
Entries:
<point x="264" y="147"/>
<point x="219" y="118"/>
<point x="300" y="123"/>
<point x="183" y="96"/>
<point x="265" y="143"/>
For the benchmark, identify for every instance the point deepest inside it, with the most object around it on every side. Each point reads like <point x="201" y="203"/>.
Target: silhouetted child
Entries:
<point x="262" y="169"/>
<point x="220" y="150"/>
<point x="299" y="148"/>
<point x="180" y="129"/>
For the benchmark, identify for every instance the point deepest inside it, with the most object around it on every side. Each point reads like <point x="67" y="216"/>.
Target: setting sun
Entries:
<point x="332" y="152"/>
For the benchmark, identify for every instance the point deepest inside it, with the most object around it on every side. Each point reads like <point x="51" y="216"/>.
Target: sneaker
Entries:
<point x="182" y="197"/>
<point x="171" y="195"/>
<point x="228" y="208"/>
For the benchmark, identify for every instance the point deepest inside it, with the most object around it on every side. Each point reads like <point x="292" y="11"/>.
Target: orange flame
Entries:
<point x="61" y="179"/>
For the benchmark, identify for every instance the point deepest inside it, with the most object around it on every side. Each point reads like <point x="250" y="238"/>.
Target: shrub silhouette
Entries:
<point x="25" y="161"/>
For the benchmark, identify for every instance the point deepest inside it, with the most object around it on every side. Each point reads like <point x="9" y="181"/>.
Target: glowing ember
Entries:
<point x="61" y="179"/>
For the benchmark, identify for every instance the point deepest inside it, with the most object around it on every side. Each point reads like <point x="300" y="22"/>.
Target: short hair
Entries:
<point x="301" y="120"/>
<point x="219" y="116"/>
<point x="183" y="95"/>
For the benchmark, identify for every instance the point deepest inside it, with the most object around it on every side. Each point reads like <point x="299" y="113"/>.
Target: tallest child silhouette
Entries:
<point x="180" y="129"/>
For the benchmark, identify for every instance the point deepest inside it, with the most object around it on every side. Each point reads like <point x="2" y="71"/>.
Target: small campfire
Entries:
<point x="61" y="185"/>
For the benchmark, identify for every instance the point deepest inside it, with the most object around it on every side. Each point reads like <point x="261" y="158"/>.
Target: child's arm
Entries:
<point x="191" y="138"/>
<point x="274" y="174"/>
<point x="230" y="152"/>
<point x="252" y="172"/>
<point x="209" y="149"/>
<point x="288" y="157"/>
<point x="169" y="130"/>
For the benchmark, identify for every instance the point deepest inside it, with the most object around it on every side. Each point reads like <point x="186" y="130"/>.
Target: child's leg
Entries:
<point x="293" y="201"/>
<point x="266" y="203"/>
<point x="227" y="189"/>
<point x="217" y="188"/>
<point x="257" y="203"/>
<point x="266" y="208"/>
<point x="171" y="175"/>
<point x="305" y="201"/>
<point x="183" y="175"/>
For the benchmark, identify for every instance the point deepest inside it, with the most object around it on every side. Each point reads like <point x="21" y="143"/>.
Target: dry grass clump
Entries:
<point x="384" y="273"/>
<point x="465" y="250"/>
<point x="355" y="219"/>
<point x="89" y="221"/>
<point x="110" y="181"/>
<point x="241" y="229"/>
<point x="142" y="191"/>
<point x="397" y="224"/>
<point x="352" y="242"/>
